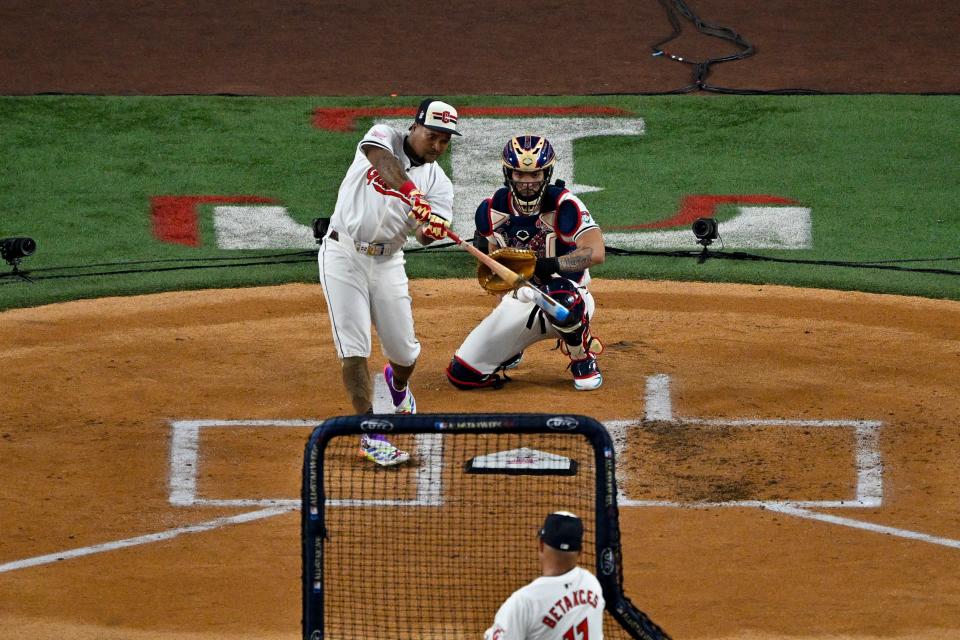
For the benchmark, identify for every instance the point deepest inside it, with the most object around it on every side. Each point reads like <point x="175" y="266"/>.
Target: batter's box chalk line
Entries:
<point x="185" y="461"/>
<point x="868" y="490"/>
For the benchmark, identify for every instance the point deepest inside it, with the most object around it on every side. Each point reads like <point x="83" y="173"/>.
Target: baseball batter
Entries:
<point x="555" y="225"/>
<point x="565" y="602"/>
<point x="393" y="188"/>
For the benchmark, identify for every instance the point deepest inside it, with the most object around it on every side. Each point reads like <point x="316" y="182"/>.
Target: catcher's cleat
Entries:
<point x="403" y="401"/>
<point x="381" y="452"/>
<point x="586" y="374"/>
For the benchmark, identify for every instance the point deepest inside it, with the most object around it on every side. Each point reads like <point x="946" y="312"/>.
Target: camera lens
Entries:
<point x="26" y="246"/>
<point x="705" y="228"/>
<point x="16" y="248"/>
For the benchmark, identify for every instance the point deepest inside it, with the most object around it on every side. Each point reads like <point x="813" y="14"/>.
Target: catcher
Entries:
<point x="545" y="233"/>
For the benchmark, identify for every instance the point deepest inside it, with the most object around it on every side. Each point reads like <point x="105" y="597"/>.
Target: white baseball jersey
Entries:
<point x="363" y="288"/>
<point x="368" y="210"/>
<point x="566" y="607"/>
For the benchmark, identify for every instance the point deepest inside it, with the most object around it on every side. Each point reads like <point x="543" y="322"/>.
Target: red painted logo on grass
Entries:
<point x="703" y="206"/>
<point x="175" y="218"/>
<point x="344" y="118"/>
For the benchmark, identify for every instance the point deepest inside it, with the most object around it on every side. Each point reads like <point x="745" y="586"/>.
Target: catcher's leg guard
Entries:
<point x="582" y="348"/>
<point x="576" y="339"/>
<point x="578" y="344"/>
<point x="463" y="376"/>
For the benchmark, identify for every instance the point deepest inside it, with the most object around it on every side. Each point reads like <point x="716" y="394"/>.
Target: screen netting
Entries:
<point x="430" y="549"/>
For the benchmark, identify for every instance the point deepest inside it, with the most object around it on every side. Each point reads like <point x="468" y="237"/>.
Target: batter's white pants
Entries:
<point x="504" y="333"/>
<point x="362" y="290"/>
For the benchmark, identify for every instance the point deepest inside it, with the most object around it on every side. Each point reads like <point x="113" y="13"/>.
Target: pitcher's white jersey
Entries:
<point x="552" y="608"/>
<point x="368" y="210"/>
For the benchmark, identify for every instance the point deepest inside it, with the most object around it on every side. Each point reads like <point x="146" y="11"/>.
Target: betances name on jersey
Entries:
<point x="568" y="602"/>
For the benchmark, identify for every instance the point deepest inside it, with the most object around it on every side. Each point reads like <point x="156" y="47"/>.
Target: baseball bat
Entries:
<point x="514" y="279"/>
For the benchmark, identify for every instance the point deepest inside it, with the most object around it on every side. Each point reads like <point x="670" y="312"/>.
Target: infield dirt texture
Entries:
<point x="748" y="396"/>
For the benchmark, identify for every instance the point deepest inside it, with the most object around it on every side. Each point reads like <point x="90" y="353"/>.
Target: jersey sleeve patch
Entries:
<point x="379" y="135"/>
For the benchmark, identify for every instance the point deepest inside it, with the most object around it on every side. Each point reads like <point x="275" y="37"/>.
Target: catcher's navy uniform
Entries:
<point x="499" y="340"/>
<point x="553" y="233"/>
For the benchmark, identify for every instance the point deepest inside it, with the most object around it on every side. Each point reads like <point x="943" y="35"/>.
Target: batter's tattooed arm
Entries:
<point x="386" y="165"/>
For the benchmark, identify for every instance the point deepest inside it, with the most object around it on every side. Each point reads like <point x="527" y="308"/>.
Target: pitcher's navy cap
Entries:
<point x="563" y="531"/>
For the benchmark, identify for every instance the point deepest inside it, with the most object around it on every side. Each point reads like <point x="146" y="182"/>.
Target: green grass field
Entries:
<point x="879" y="174"/>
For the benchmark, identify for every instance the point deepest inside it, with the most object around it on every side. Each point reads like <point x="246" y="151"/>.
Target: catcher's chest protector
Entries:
<point x="536" y="233"/>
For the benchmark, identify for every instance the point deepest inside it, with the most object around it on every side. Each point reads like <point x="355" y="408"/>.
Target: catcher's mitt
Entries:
<point x="521" y="261"/>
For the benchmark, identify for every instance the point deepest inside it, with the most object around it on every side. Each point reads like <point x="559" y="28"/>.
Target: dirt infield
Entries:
<point x="92" y="388"/>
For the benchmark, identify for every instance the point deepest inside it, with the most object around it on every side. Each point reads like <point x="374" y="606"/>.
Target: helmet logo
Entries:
<point x="527" y="161"/>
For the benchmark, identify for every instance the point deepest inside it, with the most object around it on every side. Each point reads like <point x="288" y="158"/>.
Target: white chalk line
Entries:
<point x="185" y="462"/>
<point x="869" y="492"/>
<point x="659" y="408"/>
<point x="867" y="526"/>
<point x="659" y="404"/>
<point x="185" y="458"/>
<point x="144" y="539"/>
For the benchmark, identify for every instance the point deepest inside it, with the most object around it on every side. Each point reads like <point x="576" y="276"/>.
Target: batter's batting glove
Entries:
<point x="436" y="227"/>
<point x="419" y="207"/>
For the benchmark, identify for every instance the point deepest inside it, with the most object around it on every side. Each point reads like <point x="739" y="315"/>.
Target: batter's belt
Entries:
<point x="366" y="248"/>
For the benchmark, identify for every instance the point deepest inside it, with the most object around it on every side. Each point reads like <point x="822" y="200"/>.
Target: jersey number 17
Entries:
<point x="580" y="632"/>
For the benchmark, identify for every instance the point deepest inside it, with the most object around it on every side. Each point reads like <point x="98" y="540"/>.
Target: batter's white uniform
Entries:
<point x="361" y="259"/>
<point x="566" y="607"/>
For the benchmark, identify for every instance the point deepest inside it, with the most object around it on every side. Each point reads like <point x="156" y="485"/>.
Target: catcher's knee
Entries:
<point x="569" y="295"/>
<point x="463" y="376"/>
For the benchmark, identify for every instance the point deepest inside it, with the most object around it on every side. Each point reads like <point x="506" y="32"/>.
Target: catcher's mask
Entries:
<point x="566" y="293"/>
<point x="528" y="154"/>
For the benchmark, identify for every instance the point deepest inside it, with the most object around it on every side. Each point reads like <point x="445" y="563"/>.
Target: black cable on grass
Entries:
<point x="701" y="68"/>
<point x="154" y="270"/>
<point x="236" y="261"/>
<point x="257" y="260"/>
<point x="702" y="256"/>
<point x="310" y="256"/>
<point x="165" y="260"/>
